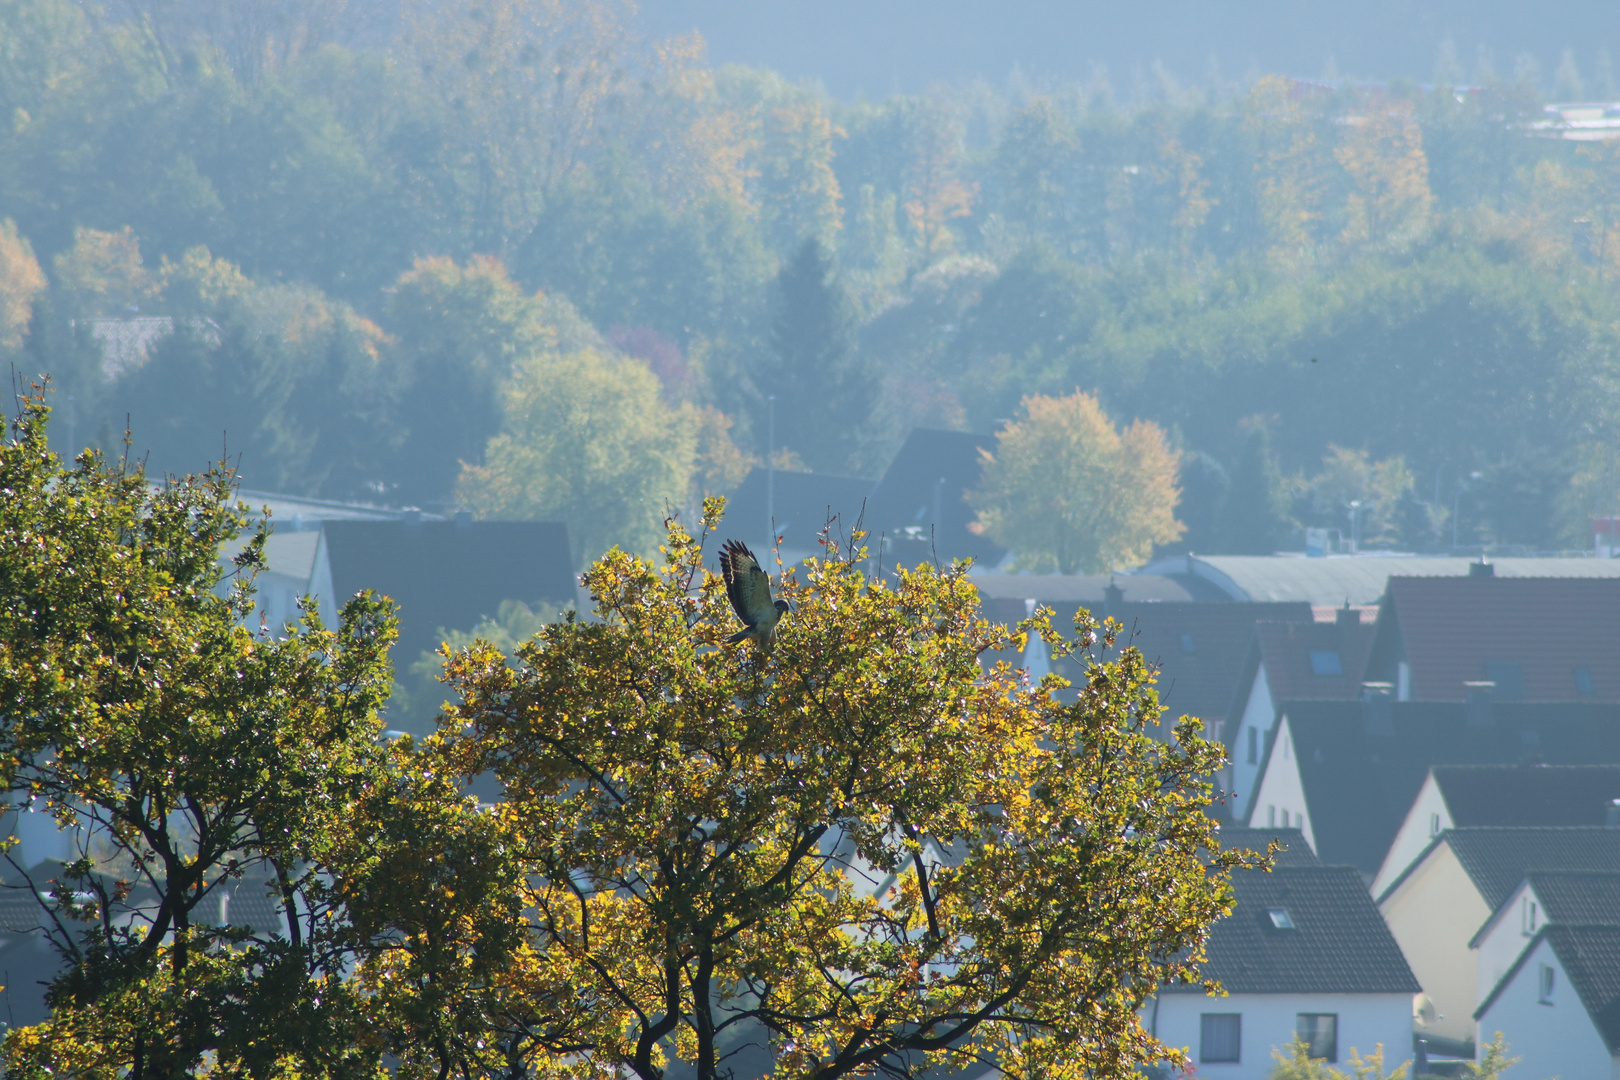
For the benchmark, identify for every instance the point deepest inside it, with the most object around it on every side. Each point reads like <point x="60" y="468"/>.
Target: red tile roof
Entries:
<point x="1457" y="630"/>
<point x="1293" y="674"/>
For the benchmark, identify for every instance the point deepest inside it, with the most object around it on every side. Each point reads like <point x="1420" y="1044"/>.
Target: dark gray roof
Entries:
<point x="1339" y="943"/>
<point x="1590" y="956"/>
<point x="1361" y="765"/>
<point x="1585" y="898"/>
<point x="1091" y="589"/>
<point x="800" y="503"/>
<point x="449" y="575"/>
<point x="1528" y="794"/>
<point x="1497" y="859"/>
<point x="919" y="507"/>
<point x="1295" y="851"/>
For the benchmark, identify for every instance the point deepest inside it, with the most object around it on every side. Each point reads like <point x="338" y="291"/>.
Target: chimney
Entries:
<point x="1481" y="569"/>
<point x="1347" y="616"/>
<point x="1477" y="708"/>
<point x="1377" y="718"/>
<point x="1612" y="820"/>
<point x="463" y="519"/>
<point x="1113" y="598"/>
<point x="412" y="517"/>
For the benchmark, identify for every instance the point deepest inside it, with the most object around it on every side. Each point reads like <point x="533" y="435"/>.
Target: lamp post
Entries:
<point x="1456" y="506"/>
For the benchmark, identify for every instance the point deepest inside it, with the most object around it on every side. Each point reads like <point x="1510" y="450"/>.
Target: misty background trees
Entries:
<point x="351" y="244"/>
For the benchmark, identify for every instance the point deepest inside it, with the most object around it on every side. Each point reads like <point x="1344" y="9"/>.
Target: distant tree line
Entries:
<point x="378" y="238"/>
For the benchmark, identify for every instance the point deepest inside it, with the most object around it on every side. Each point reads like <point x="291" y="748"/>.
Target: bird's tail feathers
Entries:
<point x="741" y="635"/>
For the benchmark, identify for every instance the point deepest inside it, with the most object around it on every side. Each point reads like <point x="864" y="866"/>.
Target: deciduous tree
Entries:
<point x="1069" y="492"/>
<point x="877" y="850"/>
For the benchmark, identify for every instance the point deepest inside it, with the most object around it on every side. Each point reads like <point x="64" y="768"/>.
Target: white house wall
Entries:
<point x="1279" y="799"/>
<point x="1554" y="1040"/>
<point x="1258" y="715"/>
<point x="1365" y="1021"/>
<point x="1433" y="914"/>
<point x="1425" y="819"/>
<point x="1504" y="938"/>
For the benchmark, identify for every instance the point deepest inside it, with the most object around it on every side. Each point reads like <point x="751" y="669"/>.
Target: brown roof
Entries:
<point x="1538" y="639"/>
<point x="1315" y="661"/>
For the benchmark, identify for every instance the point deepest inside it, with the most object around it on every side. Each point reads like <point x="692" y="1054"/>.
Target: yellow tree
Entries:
<point x="1070" y="492"/>
<point x="1389" y="174"/>
<point x="104" y="272"/>
<point x="587" y="440"/>
<point x="936" y="192"/>
<point x="1288" y="165"/>
<point x="21" y="281"/>
<point x="876" y="849"/>
<point x="1603" y="197"/>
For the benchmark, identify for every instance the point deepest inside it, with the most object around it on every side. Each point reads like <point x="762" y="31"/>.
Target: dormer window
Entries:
<point x="1280" y="919"/>
<point x="1324" y="662"/>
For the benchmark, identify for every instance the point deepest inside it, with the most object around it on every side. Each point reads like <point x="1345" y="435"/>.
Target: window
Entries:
<point x="1254" y="746"/>
<point x="1187" y="644"/>
<point x="1220" y="1037"/>
<point x="1280" y="919"/>
<point x="1583" y="682"/>
<point x="1527" y="916"/>
<point x="1548" y="979"/>
<point x="1325" y="663"/>
<point x="1320" y="1034"/>
<point x="1434" y="824"/>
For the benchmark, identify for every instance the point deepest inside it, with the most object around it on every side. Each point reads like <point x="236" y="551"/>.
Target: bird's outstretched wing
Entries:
<point x="747" y="586"/>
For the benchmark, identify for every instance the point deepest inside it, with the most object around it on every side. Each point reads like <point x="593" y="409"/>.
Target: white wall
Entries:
<point x="1554" y="1040"/>
<point x="1433" y="914"/>
<point x="1365" y="1020"/>
<point x="1279" y="798"/>
<point x="1504" y="938"/>
<point x="1414" y="834"/>
<point x="1259" y="713"/>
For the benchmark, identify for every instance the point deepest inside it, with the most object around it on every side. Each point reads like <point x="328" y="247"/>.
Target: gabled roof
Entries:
<point x="1091" y="590"/>
<point x="918" y="505"/>
<point x="1527" y="794"/>
<point x="800" y="504"/>
<point x="1307" y="661"/>
<point x="449" y="575"/>
<point x="1294" y="851"/>
<point x="1529" y="635"/>
<point x="1339" y="942"/>
<point x="1584" y="897"/>
<point x="1361" y="766"/>
<point x="1590" y="956"/>
<point x="1359" y="579"/>
<point x="1498" y="859"/>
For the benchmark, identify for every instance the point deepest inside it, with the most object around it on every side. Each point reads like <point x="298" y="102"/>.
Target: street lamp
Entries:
<point x="1456" y="506"/>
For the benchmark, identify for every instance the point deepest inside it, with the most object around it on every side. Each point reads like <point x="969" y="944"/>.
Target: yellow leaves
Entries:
<point x="1383" y="153"/>
<point x="1068" y="491"/>
<point x="21" y="281"/>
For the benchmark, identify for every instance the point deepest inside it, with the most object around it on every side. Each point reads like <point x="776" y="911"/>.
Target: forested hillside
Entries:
<point x="436" y="262"/>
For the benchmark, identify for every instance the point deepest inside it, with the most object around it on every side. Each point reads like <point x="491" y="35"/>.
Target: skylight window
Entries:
<point x="1280" y="918"/>
<point x="1583" y="682"/>
<point x="1325" y="662"/>
<point x="1187" y="644"/>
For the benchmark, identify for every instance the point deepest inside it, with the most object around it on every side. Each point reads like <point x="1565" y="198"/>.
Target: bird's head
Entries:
<point x="783" y="607"/>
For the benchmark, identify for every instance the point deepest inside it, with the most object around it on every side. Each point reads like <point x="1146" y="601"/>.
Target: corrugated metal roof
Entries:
<point x="1533" y="632"/>
<point x="1360" y="579"/>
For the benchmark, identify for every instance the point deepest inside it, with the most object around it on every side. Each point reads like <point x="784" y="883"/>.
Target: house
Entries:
<point x="795" y="506"/>
<point x="1558" y="1007"/>
<point x="1197" y="645"/>
<point x="1303" y="953"/>
<point x="1346" y="772"/>
<point x="918" y="512"/>
<point x="1295" y="660"/>
<point x="1437" y="905"/>
<point x="1355" y="579"/>
<point x="1467" y="796"/>
<point x="445" y="574"/>
<point x="1566" y="897"/>
<point x="1515" y="639"/>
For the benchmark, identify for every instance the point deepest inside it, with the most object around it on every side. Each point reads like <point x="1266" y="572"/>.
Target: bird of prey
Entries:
<point x="749" y="589"/>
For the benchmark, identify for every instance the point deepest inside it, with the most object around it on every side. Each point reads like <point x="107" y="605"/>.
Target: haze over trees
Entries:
<point x="354" y="232"/>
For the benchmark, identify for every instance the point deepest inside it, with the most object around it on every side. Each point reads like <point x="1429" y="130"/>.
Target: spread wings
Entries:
<point x="747" y="586"/>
